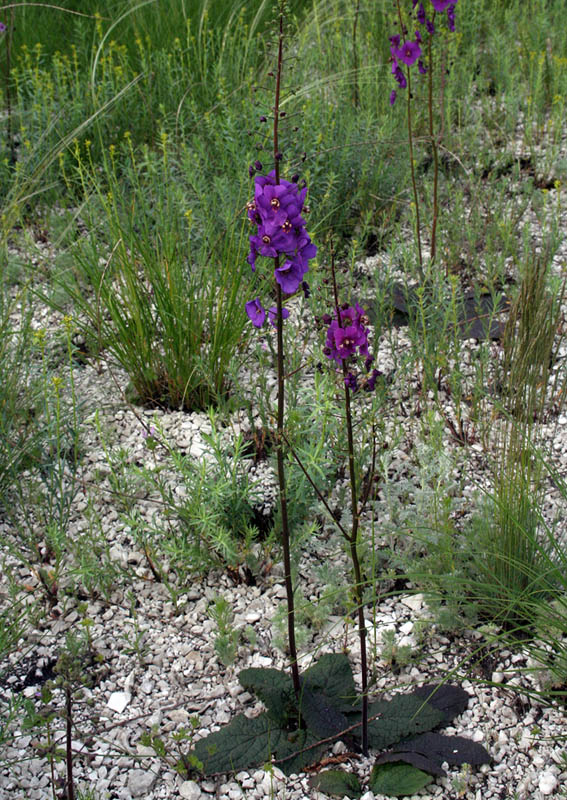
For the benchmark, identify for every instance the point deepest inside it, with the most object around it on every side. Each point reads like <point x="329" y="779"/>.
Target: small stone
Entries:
<point x="413" y="601"/>
<point x="118" y="701"/>
<point x="547" y="782"/>
<point x="141" y="781"/>
<point x="367" y="796"/>
<point x="190" y="790"/>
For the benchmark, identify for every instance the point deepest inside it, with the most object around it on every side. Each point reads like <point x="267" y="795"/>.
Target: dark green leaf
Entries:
<point x="397" y="780"/>
<point x="246" y="743"/>
<point x="454" y="750"/>
<point x="451" y="700"/>
<point x="403" y="716"/>
<point x="332" y="675"/>
<point x="274" y="688"/>
<point x="336" y="781"/>
<point x="320" y="716"/>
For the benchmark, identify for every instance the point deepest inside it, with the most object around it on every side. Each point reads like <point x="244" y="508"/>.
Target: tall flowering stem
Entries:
<point x="348" y="340"/>
<point x="414" y="184"/>
<point x="281" y="395"/>
<point x="405" y="52"/>
<point x="281" y="236"/>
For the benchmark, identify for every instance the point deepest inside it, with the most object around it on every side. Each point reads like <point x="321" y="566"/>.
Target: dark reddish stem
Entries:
<point x="434" y="149"/>
<point x="352" y="538"/>
<point x="281" y="400"/>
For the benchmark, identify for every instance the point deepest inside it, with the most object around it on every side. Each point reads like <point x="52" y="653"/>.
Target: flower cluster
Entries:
<point x="2" y="28"/>
<point x="409" y="51"/>
<point x="344" y="338"/>
<point x="276" y="211"/>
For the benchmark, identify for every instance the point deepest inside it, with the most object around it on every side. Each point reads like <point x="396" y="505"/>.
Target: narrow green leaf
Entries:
<point x="397" y="780"/>
<point x="337" y="782"/>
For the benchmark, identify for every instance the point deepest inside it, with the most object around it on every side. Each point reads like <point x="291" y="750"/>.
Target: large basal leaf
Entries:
<point x="332" y="676"/>
<point x="451" y="700"/>
<point x="336" y="782"/>
<point x="273" y="687"/>
<point x="320" y="716"/>
<point x="397" y="780"/>
<point x="247" y="743"/>
<point x="455" y="750"/>
<point x="403" y="716"/>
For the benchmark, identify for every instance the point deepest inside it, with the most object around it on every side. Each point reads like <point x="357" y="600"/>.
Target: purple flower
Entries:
<point x="409" y="52"/>
<point x="290" y="274"/>
<point x="393" y="95"/>
<point x="351" y="382"/>
<point x="252" y="254"/>
<point x="273" y="315"/>
<point x="421" y="14"/>
<point x="421" y="67"/>
<point x="430" y="26"/>
<point x="256" y="312"/>
<point x="441" y="5"/>
<point x="2" y="28"/>
<point x="370" y="384"/>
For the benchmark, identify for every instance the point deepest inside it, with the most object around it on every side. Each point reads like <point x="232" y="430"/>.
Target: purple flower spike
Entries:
<point x="421" y="67"/>
<point x="2" y="28"/>
<point x="273" y="315"/>
<point x="393" y="95"/>
<point x="421" y="14"/>
<point x="256" y="312"/>
<point x="451" y="18"/>
<point x="400" y="77"/>
<point x="430" y="26"/>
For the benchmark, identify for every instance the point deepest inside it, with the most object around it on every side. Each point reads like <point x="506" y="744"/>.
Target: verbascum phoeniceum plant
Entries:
<point x="307" y="712"/>
<point x="411" y="51"/>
